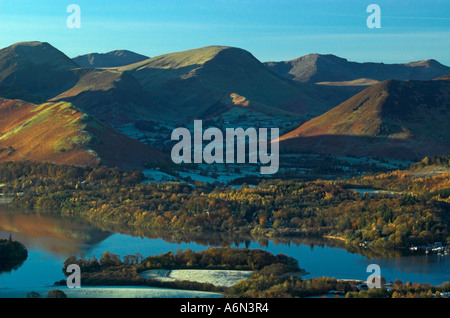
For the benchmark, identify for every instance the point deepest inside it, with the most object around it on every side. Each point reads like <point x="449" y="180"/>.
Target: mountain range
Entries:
<point x="328" y="68"/>
<point x="79" y="104"/>
<point x="175" y="87"/>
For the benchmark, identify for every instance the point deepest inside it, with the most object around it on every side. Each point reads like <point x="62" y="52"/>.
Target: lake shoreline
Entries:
<point x="110" y="292"/>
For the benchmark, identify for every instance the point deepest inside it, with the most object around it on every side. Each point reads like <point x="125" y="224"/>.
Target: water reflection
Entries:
<point x="7" y="267"/>
<point x="217" y="239"/>
<point x="60" y="236"/>
<point x="10" y="266"/>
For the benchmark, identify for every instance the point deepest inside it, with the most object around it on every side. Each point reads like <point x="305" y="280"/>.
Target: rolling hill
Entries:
<point x="317" y="68"/>
<point x="62" y="134"/>
<point x="394" y="119"/>
<point x="111" y="59"/>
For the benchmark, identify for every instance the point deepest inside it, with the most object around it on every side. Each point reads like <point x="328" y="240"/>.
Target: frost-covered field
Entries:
<point x="155" y="175"/>
<point x="226" y="278"/>
<point x="112" y="292"/>
<point x="5" y="200"/>
<point x="205" y="173"/>
<point x="387" y="163"/>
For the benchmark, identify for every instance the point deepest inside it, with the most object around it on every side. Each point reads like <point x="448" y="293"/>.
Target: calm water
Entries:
<point x="50" y="240"/>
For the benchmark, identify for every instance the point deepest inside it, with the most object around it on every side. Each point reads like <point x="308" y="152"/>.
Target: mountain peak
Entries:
<point x="116" y="58"/>
<point x="30" y="44"/>
<point x="317" y="56"/>
<point x="186" y="58"/>
<point x="36" y="53"/>
<point x="37" y="67"/>
<point x="431" y="63"/>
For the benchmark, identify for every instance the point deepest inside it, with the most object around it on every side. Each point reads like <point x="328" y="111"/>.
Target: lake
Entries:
<point x="51" y="239"/>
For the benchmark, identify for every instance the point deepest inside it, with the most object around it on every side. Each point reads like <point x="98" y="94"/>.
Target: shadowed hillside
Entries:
<point x="111" y="96"/>
<point x="36" y="72"/>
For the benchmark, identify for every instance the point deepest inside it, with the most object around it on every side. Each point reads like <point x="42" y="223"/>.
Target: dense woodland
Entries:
<point x="417" y="213"/>
<point x="416" y="180"/>
<point x="404" y="290"/>
<point x="262" y="285"/>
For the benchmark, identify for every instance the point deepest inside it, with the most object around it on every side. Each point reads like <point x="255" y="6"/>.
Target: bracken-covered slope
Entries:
<point x="316" y="68"/>
<point x="397" y="119"/>
<point x="111" y="59"/>
<point x="62" y="134"/>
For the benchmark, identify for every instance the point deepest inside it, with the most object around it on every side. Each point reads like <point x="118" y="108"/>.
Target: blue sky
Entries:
<point x="272" y="30"/>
